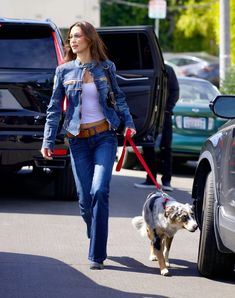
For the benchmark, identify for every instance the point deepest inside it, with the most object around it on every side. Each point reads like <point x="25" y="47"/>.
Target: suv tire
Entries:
<point x="130" y="160"/>
<point x="211" y="262"/>
<point x="64" y="185"/>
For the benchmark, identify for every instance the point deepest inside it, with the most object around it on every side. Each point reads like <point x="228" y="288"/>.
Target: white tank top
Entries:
<point x="91" y="108"/>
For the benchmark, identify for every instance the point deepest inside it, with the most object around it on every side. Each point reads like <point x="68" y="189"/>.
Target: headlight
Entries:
<point x="210" y="123"/>
<point x="178" y="121"/>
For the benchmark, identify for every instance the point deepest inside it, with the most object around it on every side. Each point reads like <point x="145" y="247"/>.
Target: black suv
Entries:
<point x="30" y="52"/>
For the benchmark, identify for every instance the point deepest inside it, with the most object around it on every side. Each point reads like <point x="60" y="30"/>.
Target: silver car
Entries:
<point x="194" y="64"/>
<point x="214" y="195"/>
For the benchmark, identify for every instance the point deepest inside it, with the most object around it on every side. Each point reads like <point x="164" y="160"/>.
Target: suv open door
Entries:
<point x="140" y="74"/>
<point x="30" y="51"/>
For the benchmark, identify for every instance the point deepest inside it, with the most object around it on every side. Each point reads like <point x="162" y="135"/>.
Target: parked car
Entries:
<point x="200" y="65"/>
<point x="214" y="195"/>
<point x="30" y="52"/>
<point x="175" y="67"/>
<point x="193" y="122"/>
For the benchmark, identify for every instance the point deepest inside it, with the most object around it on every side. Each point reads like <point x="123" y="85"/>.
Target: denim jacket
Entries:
<point x="68" y="82"/>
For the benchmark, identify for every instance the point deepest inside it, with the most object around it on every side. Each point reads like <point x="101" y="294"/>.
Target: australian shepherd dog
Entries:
<point x="162" y="216"/>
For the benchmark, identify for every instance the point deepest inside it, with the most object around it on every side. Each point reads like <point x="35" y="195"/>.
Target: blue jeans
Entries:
<point x="92" y="162"/>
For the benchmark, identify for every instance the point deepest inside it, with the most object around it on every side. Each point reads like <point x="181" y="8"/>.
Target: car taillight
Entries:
<point x="207" y="68"/>
<point x="59" y="54"/>
<point x="60" y="152"/>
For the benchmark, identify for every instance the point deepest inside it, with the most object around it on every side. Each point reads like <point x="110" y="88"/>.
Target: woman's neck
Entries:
<point x="86" y="58"/>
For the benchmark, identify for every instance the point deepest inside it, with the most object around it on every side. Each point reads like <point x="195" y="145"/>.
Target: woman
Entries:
<point x="90" y="124"/>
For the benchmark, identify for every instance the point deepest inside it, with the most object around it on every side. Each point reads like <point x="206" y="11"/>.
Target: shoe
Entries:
<point x="145" y="185"/>
<point x="96" y="266"/>
<point x="167" y="186"/>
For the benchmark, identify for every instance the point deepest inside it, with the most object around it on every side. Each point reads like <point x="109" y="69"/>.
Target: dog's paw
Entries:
<point x="165" y="272"/>
<point x="167" y="264"/>
<point x="152" y="258"/>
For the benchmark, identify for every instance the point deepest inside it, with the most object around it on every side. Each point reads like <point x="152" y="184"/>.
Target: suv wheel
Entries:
<point x="211" y="262"/>
<point x="64" y="185"/>
<point x="130" y="159"/>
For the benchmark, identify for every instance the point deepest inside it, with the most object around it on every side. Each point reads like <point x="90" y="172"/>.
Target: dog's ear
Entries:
<point x="171" y="212"/>
<point x="190" y="208"/>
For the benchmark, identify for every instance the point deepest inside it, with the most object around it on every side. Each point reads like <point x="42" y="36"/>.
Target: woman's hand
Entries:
<point x="133" y="131"/>
<point x="47" y="153"/>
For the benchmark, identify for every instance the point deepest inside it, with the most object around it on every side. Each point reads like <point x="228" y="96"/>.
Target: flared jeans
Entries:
<point x="92" y="162"/>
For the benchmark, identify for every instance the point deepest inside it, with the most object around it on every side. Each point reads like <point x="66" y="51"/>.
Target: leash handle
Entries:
<point x="138" y="154"/>
<point x="120" y="162"/>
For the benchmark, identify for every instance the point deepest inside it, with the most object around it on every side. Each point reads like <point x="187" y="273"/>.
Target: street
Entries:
<point x="43" y="246"/>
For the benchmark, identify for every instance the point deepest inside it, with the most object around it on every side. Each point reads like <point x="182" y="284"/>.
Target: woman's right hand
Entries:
<point x="47" y="153"/>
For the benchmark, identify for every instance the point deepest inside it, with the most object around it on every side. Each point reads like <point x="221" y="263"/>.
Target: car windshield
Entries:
<point x="196" y="91"/>
<point x="26" y="47"/>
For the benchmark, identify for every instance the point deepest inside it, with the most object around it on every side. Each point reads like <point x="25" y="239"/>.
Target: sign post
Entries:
<point x="157" y="10"/>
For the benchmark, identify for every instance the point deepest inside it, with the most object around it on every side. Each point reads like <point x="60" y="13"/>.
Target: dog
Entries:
<point x="162" y="216"/>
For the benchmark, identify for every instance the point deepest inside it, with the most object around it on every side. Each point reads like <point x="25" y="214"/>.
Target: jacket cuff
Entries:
<point x="48" y="144"/>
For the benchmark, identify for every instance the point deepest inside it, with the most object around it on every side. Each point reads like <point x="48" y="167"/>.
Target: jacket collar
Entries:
<point x="85" y="65"/>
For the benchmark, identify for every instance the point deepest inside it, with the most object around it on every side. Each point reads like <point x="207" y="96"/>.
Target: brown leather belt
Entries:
<point x="91" y="131"/>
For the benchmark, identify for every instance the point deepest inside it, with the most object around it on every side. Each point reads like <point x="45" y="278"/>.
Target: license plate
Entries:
<point x="194" y="123"/>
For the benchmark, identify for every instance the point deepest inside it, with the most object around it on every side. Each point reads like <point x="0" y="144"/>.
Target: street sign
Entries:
<point x="157" y="9"/>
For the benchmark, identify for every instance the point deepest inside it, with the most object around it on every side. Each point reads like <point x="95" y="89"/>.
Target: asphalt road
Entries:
<point x="43" y="246"/>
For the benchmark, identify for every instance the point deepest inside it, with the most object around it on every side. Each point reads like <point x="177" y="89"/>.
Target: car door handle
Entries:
<point x="131" y="77"/>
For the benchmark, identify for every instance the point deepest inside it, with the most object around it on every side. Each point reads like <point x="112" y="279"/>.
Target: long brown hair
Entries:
<point x="97" y="47"/>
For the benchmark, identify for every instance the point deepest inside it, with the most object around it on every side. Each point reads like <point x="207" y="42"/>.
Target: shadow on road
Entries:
<point x="184" y="169"/>
<point x="24" y="275"/>
<point x="178" y="169"/>
<point x="178" y="267"/>
<point x="26" y="193"/>
<point x="25" y="184"/>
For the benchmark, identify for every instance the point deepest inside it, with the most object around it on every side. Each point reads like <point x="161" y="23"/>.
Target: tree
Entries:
<point x="228" y="85"/>
<point x="197" y="26"/>
<point x="122" y="13"/>
<point x="190" y="25"/>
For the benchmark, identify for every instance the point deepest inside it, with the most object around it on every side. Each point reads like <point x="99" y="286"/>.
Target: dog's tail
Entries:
<point x="139" y="223"/>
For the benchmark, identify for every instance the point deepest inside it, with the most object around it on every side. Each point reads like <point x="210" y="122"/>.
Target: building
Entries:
<point x="62" y="13"/>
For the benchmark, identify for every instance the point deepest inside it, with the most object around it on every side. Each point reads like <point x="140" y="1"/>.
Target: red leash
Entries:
<point x="138" y="154"/>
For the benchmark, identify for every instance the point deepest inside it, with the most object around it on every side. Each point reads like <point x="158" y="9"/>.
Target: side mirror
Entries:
<point x="223" y="106"/>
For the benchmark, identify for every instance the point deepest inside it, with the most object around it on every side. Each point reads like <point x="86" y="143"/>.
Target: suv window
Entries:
<point x="26" y="47"/>
<point x="129" y="51"/>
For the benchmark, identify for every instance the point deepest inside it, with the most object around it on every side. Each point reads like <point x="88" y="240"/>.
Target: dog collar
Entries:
<point x="164" y="203"/>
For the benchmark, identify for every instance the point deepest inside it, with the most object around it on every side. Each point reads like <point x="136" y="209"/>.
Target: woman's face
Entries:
<point x="78" y="42"/>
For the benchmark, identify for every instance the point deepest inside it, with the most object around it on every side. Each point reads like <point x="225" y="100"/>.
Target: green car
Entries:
<point x="193" y="121"/>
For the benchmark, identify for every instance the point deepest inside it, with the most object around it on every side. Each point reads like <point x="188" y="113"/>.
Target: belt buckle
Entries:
<point x="91" y="131"/>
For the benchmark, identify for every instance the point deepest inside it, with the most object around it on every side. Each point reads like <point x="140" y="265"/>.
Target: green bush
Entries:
<point x="228" y="85"/>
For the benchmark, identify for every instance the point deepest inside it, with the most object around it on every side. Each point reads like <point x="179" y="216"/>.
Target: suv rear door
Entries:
<point x="140" y="73"/>
<point x="27" y="65"/>
<point x="30" y="52"/>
